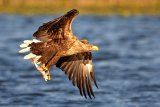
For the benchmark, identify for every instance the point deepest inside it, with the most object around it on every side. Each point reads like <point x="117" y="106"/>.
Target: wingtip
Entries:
<point x="85" y="96"/>
<point x="96" y="84"/>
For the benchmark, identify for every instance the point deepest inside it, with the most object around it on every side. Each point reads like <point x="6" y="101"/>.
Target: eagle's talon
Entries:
<point x="45" y="72"/>
<point x="44" y="67"/>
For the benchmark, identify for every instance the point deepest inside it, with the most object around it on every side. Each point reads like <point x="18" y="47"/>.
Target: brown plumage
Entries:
<point x="55" y="44"/>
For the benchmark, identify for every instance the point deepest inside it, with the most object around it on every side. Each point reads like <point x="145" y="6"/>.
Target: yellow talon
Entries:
<point x="47" y="72"/>
<point x="44" y="67"/>
<point x="49" y="77"/>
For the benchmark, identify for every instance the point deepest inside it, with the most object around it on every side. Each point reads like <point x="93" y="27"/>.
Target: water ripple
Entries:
<point x="126" y="67"/>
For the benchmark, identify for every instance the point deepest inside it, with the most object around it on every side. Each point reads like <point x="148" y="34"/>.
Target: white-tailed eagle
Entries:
<point x="55" y="44"/>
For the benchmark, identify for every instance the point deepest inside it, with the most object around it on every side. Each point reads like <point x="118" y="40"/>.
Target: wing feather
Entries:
<point x="87" y="85"/>
<point x="50" y="31"/>
<point x="74" y="76"/>
<point x="75" y="66"/>
<point x="45" y="31"/>
<point x="80" y="82"/>
<point x="83" y="85"/>
<point x="93" y="77"/>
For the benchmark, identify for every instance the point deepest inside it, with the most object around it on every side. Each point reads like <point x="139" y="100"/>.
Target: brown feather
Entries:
<point x="87" y="87"/>
<point x="83" y="85"/>
<point x="75" y="67"/>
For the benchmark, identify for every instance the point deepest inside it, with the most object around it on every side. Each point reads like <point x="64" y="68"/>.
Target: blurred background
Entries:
<point x="101" y="7"/>
<point x="127" y="65"/>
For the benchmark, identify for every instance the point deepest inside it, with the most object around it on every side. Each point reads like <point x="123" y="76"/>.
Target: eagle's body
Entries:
<point x="55" y="44"/>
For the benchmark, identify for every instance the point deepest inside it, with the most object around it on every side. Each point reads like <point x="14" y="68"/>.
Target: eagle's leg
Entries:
<point x="47" y="72"/>
<point x="42" y="69"/>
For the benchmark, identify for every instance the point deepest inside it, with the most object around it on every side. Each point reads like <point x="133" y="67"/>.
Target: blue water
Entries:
<point x="127" y="66"/>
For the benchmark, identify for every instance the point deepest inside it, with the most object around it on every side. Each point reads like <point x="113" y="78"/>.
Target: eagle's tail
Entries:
<point x="26" y="47"/>
<point x="35" y="47"/>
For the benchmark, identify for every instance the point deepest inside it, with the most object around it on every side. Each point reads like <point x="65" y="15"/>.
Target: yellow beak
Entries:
<point x="95" y="48"/>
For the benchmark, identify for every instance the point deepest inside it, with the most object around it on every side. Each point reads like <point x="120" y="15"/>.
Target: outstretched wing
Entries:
<point x="79" y="69"/>
<point x="50" y="30"/>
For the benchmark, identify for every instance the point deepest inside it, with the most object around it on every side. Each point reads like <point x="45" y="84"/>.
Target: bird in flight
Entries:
<point x="55" y="44"/>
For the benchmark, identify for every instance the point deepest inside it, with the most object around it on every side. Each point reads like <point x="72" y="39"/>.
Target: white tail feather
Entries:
<point x="36" y="59"/>
<point x="35" y="40"/>
<point x="24" y="50"/>
<point x="27" y="41"/>
<point x="29" y="56"/>
<point x="23" y="45"/>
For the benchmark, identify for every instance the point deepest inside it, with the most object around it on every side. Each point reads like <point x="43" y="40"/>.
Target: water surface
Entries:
<point x="127" y="66"/>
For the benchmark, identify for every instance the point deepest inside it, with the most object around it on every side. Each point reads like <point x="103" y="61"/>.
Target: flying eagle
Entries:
<point x="55" y="44"/>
